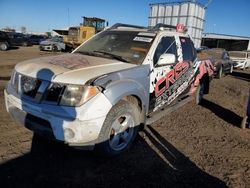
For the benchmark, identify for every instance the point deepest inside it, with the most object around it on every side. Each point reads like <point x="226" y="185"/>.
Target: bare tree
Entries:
<point x="8" y="29"/>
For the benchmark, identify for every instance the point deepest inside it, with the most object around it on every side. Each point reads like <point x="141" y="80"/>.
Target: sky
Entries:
<point x="222" y="16"/>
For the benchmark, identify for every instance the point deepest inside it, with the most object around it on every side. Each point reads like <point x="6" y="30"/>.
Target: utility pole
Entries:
<point x="68" y="18"/>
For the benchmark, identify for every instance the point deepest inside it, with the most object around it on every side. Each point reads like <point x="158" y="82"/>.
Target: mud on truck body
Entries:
<point x="99" y="96"/>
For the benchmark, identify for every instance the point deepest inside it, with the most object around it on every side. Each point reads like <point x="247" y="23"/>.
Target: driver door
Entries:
<point x="159" y="73"/>
<point x="171" y="80"/>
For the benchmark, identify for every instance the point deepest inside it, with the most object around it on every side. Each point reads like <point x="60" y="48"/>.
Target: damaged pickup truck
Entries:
<point x="99" y="96"/>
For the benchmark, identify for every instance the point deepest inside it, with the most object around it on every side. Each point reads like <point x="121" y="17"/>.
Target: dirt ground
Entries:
<point x="195" y="146"/>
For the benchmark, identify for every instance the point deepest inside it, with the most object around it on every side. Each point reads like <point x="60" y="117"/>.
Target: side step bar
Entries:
<point x="161" y="113"/>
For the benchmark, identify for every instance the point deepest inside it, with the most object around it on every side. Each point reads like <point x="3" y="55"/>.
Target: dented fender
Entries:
<point x="130" y="82"/>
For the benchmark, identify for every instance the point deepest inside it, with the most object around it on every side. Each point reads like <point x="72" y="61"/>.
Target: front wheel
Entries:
<point x="3" y="46"/>
<point x="119" y="129"/>
<point x="54" y="48"/>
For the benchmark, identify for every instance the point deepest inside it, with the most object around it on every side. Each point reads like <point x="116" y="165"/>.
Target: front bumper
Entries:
<point x="239" y="64"/>
<point x="76" y="126"/>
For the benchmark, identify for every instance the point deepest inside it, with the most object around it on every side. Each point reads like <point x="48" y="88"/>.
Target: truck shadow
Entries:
<point x="241" y="75"/>
<point x="223" y="113"/>
<point x="151" y="162"/>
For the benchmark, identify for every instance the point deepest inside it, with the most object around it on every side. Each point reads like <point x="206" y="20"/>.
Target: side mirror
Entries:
<point x="166" y="59"/>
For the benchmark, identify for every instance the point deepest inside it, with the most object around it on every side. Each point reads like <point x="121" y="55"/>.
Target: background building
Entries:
<point x="228" y="42"/>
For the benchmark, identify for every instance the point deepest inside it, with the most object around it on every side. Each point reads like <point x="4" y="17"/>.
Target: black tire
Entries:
<point x="54" y="48"/>
<point x="3" y="46"/>
<point x="219" y="75"/>
<point x="199" y="94"/>
<point x="119" y="129"/>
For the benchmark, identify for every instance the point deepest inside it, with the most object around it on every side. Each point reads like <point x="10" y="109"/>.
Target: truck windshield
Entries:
<point x="126" y="46"/>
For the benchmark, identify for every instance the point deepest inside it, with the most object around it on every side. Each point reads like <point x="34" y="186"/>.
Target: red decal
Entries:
<point x="178" y="70"/>
<point x="170" y="78"/>
<point x="157" y="91"/>
<point x="206" y="66"/>
<point x="185" y="66"/>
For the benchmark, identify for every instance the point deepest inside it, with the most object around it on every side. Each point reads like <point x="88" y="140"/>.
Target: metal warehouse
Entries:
<point x="228" y="42"/>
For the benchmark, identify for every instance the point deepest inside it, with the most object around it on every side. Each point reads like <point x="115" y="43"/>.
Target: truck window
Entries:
<point x="188" y="51"/>
<point x="167" y="45"/>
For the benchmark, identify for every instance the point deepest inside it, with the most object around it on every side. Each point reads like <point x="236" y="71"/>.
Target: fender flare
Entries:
<point x="122" y="88"/>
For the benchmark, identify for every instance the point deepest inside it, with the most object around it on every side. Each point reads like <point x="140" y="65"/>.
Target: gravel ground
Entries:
<point x="195" y="146"/>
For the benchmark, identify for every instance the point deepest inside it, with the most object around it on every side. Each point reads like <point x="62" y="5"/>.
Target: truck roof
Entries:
<point x="159" y="28"/>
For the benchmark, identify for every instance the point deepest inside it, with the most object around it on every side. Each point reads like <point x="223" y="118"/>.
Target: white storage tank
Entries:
<point x="191" y="14"/>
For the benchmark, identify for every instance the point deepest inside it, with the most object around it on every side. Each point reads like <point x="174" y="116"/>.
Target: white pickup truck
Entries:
<point x="241" y="59"/>
<point x="99" y="96"/>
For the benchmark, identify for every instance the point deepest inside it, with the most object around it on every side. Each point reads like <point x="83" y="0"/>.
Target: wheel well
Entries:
<point x="135" y="100"/>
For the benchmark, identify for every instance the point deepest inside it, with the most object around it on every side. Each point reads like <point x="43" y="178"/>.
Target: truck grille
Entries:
<point x="35" y="89"/>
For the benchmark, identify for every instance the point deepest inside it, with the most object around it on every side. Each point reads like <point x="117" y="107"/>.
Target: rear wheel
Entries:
<point x="119" y="129"/>
<point x="199" y="94"/>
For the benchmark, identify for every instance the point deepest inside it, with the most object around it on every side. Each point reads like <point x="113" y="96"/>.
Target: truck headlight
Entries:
<point x="75" y="95"/>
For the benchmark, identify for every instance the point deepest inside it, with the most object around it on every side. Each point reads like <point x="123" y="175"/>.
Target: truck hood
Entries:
<point x="70" y="68"/>
<point x="238" y="58"/>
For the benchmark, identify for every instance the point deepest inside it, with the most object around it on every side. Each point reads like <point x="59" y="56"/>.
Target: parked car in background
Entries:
<point x="4" y="41"/>
<point x="36" y="39"/>
<point x="241" y="59"/>
<point x="221" y="60"/>
<point x="201" y="48"/>
<point x="53" y="44"/>
<point x="18" y="39"/>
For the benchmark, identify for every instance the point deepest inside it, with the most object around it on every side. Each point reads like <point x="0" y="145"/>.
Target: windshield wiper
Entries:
<point x="117" y="57"/>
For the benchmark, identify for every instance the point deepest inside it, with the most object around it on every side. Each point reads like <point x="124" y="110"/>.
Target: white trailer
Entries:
<point x="191" y="14"/>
